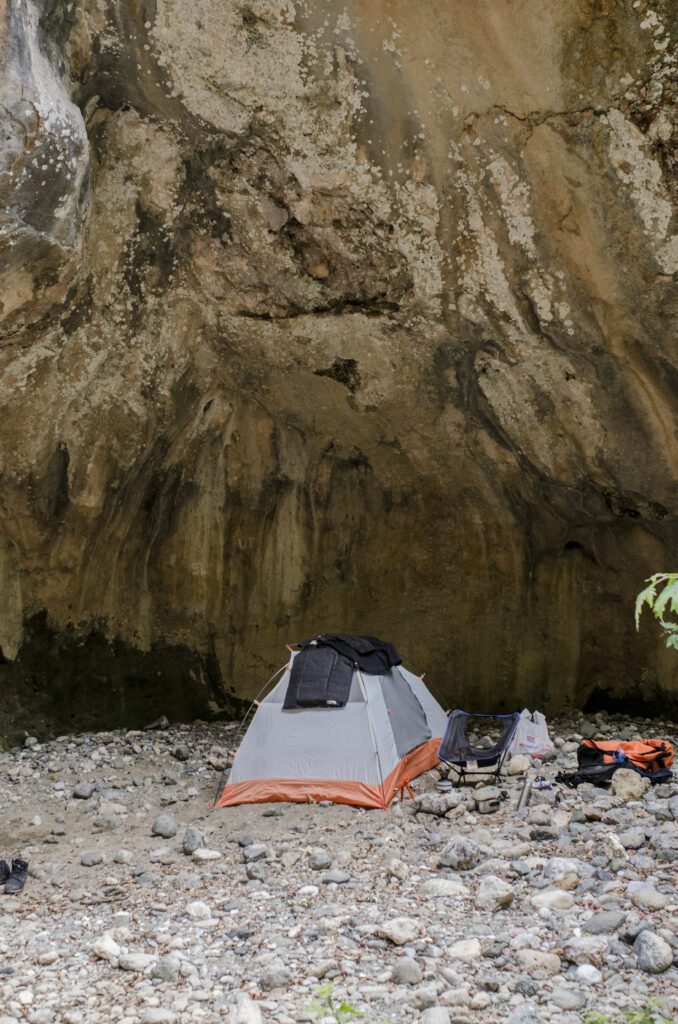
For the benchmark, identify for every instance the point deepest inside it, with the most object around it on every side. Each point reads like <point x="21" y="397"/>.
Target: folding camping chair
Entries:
<point x="455" y="751"/>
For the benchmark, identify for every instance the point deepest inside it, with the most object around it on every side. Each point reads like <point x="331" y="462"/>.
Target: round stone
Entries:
<point x="494" y="894"/>
<point x="193" y="840"/>
<point x="256" y="871"/>
<point x="435" y="1015"/>
<point x="407" y="972"/>
<point x="83" y="790"/>
<point x="425" y="996"/>
<point x="336" y="877"/>
<point x="648" y="898"/>
<point x="604" y="922"/>
<point x="588" y="974"/>
<point x="167" y="968"/>
<point x="466" y="949"/>
<point x="519" y="764"/>
<point x="106" y="948"/>
<point x="135" y="962"/>
<point x="535" y="961"/>
<point x="654" y="953"/>
<point x="203" y="855"/>
<point x="568" y="998"/>
<point x="399" y="930"/>
<point x="320" y="861"/>
<point x="446" y="887"/>
<point x="198" y="910"/>
<point x="460" y="854"/>
<point x="254" y="851"/>
<point x="275" y="977"/>
<point x="91" y="857"/>
<point x="164" y="825"/>
<point x="158" y="1015"/>
<point x="553" y="899"/>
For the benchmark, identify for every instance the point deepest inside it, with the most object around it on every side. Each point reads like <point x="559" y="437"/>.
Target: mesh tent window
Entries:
<point x="456" y="750"/>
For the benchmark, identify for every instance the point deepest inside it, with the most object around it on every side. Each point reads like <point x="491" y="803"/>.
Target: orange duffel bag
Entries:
<point x="645" y="756"/>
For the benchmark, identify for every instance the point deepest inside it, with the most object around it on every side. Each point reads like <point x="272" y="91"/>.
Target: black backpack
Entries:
<point x="597" y="766"/>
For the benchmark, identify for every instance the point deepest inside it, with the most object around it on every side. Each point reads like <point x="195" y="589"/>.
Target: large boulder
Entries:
<point x="353" y="316"/>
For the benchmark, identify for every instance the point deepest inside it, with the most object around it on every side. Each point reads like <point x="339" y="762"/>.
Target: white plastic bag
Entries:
<point x="531" y="736"/>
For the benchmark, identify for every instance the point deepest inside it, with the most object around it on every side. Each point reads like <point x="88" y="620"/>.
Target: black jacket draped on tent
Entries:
<point x="322" y="671"/>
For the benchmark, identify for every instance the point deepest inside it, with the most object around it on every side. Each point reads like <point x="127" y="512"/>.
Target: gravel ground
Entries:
<point x="144" y="905"/>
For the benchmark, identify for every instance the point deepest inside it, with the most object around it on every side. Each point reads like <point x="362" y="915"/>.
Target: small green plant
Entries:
<point x="661" y="597"/>
<point x="648" y="1014"/>
<point x="324" y="1005"/>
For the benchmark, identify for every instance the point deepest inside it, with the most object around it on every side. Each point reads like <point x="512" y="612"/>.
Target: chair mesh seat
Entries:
<point x="456" y="750"/>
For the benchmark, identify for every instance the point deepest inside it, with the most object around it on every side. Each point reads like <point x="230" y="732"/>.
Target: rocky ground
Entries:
<point x="143" y="905"/>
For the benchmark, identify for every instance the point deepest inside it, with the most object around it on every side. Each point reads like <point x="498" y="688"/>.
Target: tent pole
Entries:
<point x="374" y="735"/>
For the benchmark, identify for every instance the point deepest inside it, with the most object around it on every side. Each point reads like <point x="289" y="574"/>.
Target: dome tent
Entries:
<point x="363" y="752"/>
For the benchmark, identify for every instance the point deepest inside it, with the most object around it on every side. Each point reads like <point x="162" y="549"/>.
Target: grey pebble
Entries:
<point x="256" y="851"/>
<point x="83" y="790"/>
<point x="337" y="877"/>
<point x="164" y="825"/>
<point x="91" y="857"/>
<point x="407" y="972"/>
<point x="193" y="840"/>
<point x="604" y="922"/>
<point x="320" y="860"/>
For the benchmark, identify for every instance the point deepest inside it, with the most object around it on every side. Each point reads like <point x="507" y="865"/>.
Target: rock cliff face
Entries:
<point x="333" y="315"/>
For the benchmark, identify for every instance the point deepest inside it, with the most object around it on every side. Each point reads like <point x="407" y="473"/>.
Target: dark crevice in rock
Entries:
<point x="56" y="22"/>
<point x="79" y="305"/>
<point x="198" y="194"/>
<point x="633" y="506"/>
<point x="368" y="307"/>
<point x="344" y="371"/>
<point x="536" y="117"/>
<point x="64" y="680"/>
<point x="130" y="75"/>
<point x="50" y="491"/>
<point x="148" y="260"/>
<point x="650" y="703"/>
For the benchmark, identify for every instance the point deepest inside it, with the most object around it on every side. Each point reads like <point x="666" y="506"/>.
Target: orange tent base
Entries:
<point x="358" y="794"/>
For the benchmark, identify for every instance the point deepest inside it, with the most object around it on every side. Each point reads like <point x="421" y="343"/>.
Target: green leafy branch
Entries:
<point x="661" y="597"/>
<point x="324" y="1005"/>
<point x="648" y="1014"/>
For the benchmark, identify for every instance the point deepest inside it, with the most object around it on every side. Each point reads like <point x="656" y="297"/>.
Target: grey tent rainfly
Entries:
<point x="346" y="722"/>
